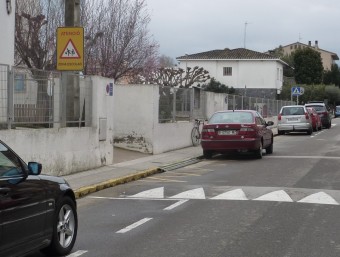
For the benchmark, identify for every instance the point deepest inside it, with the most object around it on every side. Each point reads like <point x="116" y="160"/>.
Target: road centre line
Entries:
<point x="173" y="206"/>
<point x="134" y="225"/>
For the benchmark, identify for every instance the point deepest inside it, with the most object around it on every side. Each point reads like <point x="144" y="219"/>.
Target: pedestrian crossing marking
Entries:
<point x="236" y="194"/>
<point x="276" y="196"/>
<point x="197" y="193"/>
<point x="152" y="193"/>
<point x="311" y="196"/>
<point x="320" y="198"/>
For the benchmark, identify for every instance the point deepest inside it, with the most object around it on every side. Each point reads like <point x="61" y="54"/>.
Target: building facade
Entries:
<point x="251" y="73"/>
<point x="328" y="58"/>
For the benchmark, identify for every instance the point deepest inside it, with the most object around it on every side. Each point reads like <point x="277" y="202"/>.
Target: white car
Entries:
<point x="294" y="118"/>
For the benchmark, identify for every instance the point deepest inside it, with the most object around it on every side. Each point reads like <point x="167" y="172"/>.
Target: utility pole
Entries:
<point x="245" y="34"/>
<point x="70" y="81"/>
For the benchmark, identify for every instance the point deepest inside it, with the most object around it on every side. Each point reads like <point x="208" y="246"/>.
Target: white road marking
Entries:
<point x="305" y="157"/>
<point x="320" y="198"/>
<point x="76" y="254"/>
<point x="157" y="194"/>
<point x="152" y="193"/>
<point x="163" y="179"/>
<point x="277" y="196"/>
<point x="175" y="205"/>
<point x="134" y="225"/>
<point x="197" y="193"/>
<point x="236" y="194"/>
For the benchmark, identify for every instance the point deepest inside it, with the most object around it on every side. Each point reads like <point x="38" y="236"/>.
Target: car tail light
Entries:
<point x="246" y="131"/>
<point x="307" y="115"/>
<point x="208" y="132"/>
<point x="279" y="117"/>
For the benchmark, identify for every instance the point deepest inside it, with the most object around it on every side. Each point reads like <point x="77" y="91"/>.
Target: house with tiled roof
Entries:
<point x="328" y="58"/>
<point x="251" y="73"/>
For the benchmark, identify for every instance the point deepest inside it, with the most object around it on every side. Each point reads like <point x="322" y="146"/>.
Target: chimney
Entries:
<point x="316" y="44"/>
<point x="309" y="43"/>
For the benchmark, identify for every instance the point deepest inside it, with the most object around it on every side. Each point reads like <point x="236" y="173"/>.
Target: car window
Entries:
<point x="293" y="111"/>
<point x="318" y="108"/>
<point x="231" y="117"/>
<point x="9" y="163"/>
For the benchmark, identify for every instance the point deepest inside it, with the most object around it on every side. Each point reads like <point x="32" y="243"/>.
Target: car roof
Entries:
<point x="292" y="106"/>
<point x="311" y="104"/>
<point x="252" y="111"/>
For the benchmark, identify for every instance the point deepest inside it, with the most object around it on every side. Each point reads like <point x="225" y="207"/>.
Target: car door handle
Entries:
<point x="4" y="190"/>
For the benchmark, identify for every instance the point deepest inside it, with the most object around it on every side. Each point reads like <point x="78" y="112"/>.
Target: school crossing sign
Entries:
<point x="70" y="48"/>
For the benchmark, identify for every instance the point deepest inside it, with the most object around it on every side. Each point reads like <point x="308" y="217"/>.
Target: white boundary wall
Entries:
<point x="68" y="150"/>
<point x="7" y="28"/>
<point x="136" y="122"/>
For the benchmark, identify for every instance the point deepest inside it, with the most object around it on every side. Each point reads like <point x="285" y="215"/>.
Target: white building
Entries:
<point x="7" y="29"/>
<point x="251" y="73"/>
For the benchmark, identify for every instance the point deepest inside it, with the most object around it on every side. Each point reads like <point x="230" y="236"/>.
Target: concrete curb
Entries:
<point x="83" y="191"/>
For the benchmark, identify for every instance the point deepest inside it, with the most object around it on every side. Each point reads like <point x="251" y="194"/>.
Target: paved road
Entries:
<point x="285" y="205"/>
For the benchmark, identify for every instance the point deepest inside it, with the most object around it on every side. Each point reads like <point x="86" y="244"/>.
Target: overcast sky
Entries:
<point x="192" y="26"/>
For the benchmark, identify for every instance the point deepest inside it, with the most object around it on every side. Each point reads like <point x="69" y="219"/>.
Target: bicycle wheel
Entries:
<point x="195" y="136"/>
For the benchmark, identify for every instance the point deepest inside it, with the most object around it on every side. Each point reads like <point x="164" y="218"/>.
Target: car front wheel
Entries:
<point x="65" y="228"/>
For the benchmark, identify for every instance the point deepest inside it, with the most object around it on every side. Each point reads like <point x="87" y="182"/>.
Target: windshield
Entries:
<point x="231" y="117"/>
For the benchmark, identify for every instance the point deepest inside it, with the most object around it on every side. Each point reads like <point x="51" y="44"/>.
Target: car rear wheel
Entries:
<point x="269" y="149"/>
<point x="258" y="152"/>
<point x="280" y="132"/>
<point x="65" y="228"/>
<point x="207" y="154"/>
<point x="310" y="131"/>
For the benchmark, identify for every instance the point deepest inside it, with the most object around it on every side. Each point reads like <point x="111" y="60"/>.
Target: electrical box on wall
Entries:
<point x="102" y="129"/>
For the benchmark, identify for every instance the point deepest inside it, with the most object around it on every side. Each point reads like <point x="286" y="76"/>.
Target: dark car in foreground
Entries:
<point x="324" y="112"/>
<point x="37" y="212"/>
<point x="237" y="131"/>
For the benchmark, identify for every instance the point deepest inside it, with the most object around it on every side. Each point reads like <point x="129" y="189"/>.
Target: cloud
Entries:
<point x="191" y="26"/>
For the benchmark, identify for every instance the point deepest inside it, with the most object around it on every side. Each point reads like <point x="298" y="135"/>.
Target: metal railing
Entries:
<point x="178" y="104"/>
<point x="37" y="98"/>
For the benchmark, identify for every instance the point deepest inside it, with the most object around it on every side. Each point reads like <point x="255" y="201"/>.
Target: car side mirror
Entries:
<point x="34" y="168"/>
<point x="270" y="123"/>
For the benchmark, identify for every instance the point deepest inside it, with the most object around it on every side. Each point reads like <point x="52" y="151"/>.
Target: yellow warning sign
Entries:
<point x="70" y="48"/>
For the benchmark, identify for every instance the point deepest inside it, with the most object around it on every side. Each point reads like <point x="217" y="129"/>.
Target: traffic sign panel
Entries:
<point x="70" y="48"/>
<point x="296" y="91"/>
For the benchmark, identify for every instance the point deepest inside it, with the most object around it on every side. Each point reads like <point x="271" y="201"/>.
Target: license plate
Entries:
<point x="226" y="132"/>
<point x="292" y="119"/>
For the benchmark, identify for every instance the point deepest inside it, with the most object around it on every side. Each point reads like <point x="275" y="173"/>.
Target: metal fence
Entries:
<point x="178" y="104"/>
<point x="38" y="98"/>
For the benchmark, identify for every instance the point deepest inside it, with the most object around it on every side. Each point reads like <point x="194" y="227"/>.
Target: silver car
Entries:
<point x="294" y="118"/>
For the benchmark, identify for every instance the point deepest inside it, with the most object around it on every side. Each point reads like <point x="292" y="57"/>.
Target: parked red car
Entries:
<point x="238" y="131"/>
<point x="316" y="120"/>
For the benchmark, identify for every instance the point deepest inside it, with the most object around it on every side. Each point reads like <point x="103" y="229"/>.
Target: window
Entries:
<point x="227" y="71"/>
<point x="9" y="163"/>
<point x="19" y="82"/>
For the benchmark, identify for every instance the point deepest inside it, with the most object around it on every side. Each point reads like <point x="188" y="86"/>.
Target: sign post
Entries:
<point x="296" y="91"/>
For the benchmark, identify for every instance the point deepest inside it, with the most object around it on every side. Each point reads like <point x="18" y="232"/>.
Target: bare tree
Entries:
<point x="121" y="43"/>
<point x="173" y="77"/>
<point x="35" y="33"/>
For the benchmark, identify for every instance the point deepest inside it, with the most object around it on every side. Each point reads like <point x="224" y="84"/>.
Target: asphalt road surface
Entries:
<point x="284" y="205"/>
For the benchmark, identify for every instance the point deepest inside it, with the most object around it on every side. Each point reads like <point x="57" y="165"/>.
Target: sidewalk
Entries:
<point x="94" y="180"/>
<point x="129" y="166"/>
